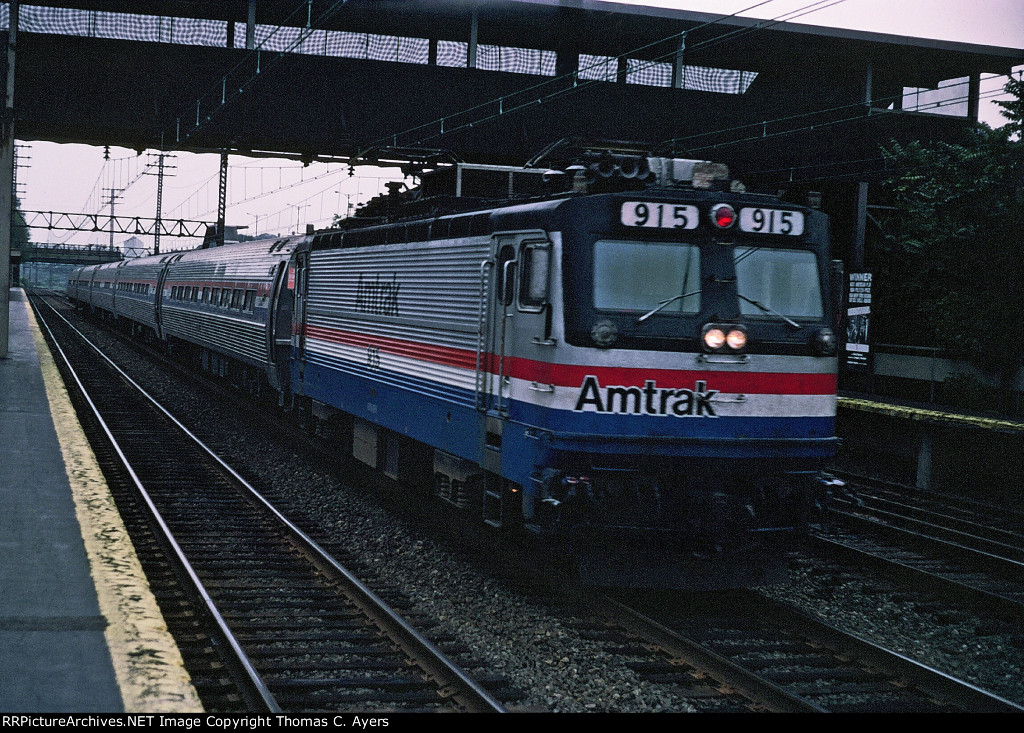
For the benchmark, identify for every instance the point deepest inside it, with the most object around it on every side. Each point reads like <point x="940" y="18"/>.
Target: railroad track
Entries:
<point x="985" y="528"/>
<point x="957" y="548"/>
<point x="260" y="601"/>
<point x="705" y="680"/>
<point x="778" y="659"/>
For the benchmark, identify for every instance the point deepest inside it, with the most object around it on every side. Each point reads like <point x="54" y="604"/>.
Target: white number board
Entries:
<point x="659" y="216"/>
<point x="772" y="221"/>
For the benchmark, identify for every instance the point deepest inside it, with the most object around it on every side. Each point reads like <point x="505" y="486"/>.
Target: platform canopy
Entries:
<point x="486" y="82"/>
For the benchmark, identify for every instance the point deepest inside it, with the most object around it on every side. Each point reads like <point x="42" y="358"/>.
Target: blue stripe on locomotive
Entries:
<point x="446" y="417"/>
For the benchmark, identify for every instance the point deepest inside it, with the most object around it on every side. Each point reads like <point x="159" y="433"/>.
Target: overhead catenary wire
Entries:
<point x="301" y="8"/>
<point x="724" y="37"/>
<point x="833" y="171"/>
<point x="263" y="60"/>
<point x="506" y="106"/>
<point x="788" y="15"/>
<point x="859" y="105"/>
<point x="820" y="125"/>
<point x="256" y="57"/>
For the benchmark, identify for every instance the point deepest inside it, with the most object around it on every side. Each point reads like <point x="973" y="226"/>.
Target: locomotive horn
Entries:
<point x="629" y="167"/>
<point x="605" y="167"/>
<point x="634" y="167"/>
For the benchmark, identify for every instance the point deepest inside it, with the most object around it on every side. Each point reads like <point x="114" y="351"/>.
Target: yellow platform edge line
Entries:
<point x="920" y="414"/>
<point x="150" y="671"/>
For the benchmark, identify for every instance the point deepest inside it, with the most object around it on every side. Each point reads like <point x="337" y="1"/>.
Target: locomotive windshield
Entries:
<point x="784" y="281"/>
<point x="636" y="276"/>
<point x="632" y="284"/>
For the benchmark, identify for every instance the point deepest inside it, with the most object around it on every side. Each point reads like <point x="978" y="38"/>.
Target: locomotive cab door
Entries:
<point x="499" y="328"/>
<point x="512" y="323"/>
<point x="280" y="319"/>
<point x="514" y="320"/>
<point x="515" y="316"/>
<point x="298" y="281"/>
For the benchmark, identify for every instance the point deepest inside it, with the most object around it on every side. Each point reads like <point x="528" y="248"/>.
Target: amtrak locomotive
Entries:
<point x="640" y="361"/>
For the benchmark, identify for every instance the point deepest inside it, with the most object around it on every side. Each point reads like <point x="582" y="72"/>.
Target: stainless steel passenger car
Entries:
<point x="136" y="289"/>
<point x="225" y="301"/>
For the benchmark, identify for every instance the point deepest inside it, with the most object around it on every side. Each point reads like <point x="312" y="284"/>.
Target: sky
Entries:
<point x="280" y="196"/>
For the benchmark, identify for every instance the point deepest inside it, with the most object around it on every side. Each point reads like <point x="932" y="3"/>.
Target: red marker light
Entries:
<point x="723" y="215"/>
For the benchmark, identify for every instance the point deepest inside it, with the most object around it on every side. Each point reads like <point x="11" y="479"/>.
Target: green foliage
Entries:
<point x="1013" y="109"/>
<point x="950" y="264"/>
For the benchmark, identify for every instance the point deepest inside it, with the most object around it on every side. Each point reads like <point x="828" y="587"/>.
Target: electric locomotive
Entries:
<point x="647" y="372"/>
<point x="634" y="357"/>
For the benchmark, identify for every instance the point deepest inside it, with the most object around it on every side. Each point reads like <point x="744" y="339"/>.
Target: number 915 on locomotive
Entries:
<point x="771" y="221"/>
<point x="659" y="215"/>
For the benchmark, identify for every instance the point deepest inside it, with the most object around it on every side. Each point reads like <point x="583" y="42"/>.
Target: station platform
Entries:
<point x="80" y="630"/>
<point x="927" y="413"/>
<point x="932" y="447"/>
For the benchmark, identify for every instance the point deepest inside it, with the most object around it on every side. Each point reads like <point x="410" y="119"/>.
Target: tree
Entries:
<point x="950" y="264"/>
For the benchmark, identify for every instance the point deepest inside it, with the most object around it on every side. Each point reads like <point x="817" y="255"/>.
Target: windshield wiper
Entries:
<point x="766" y="309"/>
<point x="664" y="303"/>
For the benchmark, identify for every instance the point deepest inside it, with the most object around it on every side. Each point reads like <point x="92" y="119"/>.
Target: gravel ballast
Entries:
<point x="532" y="639"/>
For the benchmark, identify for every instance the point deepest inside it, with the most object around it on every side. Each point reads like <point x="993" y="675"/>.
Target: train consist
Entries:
<point x="634" y="355"/>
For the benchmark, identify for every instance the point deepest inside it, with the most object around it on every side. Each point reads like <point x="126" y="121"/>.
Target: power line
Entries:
<point x="811" y="127"/>
<point x="254" y="59"/>
<point x="860" y="105"/>
<point x="861" y="171"/>
<point x="255" y="53"/>
<point x="505" y="104"/>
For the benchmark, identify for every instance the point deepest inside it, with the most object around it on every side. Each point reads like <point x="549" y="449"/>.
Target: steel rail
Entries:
<point x="929" y="679"/>
<point x="986" y="600"/>
<point x="470" y="694"/>
<point x="782" y="616"/>
<point x="254" y="678"/>
<point x="749" y="684"/>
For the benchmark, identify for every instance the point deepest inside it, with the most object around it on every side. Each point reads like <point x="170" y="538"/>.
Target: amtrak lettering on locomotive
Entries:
<point x="639" y="358"/>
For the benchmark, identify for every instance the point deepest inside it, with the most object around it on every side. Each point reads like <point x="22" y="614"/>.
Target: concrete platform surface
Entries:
<point x="80" y="630"/>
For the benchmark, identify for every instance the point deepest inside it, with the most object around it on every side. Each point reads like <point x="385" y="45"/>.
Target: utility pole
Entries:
<point x="161" y="169"/>
<point x="16" y="195"/>
<point x="114" y="196"/>
<point x="222" y="198"/>
<point x="159" y="202"/>
<point x="18" y="163"/>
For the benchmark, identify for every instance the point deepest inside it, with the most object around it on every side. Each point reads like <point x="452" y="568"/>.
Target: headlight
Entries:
<point x="714" y="338"/>
<point x="736" y="339"/>
<point x="727" y="338"/>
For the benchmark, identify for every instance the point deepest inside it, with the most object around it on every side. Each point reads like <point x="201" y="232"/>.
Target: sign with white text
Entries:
<point x="858" y="317"/>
